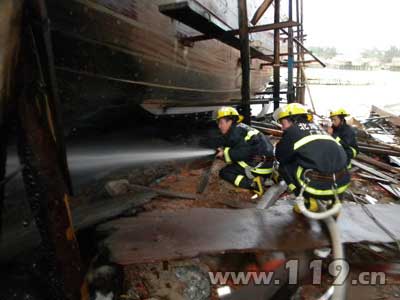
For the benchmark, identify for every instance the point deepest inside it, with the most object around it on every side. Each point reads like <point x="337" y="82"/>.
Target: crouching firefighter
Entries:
<point x="344" y="134"/>
<point x="311" y="162"/>
<point x="247" y="152"/>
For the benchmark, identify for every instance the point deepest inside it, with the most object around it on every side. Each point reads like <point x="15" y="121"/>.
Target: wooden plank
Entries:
<point x="392" y="118"/>
<point x="394" y="160"/>
<point x="163" y="192"/>
<point x="205" y="177"/>
<point x="167" y="235"/>
<point x="97" y="212"/>
<point x="379" y="150"/>
<point x="391" y="188"/>
<point x="371" y="177"/>
<point x="259" y="28"/>
<point x="377" y="163"/>
<point x="270" y="131"/>
<point x="373" y="171"/>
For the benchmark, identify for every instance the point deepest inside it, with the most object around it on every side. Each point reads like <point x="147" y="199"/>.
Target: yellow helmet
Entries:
<point x="339" y="112"/>
<point x="227" y="111"/>
<point x="292" y="109"/>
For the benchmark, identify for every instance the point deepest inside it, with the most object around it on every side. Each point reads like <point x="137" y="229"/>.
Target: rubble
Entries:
<point x="197" y="282"/>
<point x="117" y="187"/>
<point x="181" y="280"/>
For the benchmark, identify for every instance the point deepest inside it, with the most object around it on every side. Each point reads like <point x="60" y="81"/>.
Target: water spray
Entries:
<point x="78" y="160"/>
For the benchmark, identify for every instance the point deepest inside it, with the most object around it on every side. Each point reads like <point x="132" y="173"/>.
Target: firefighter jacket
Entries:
<point x="346" y="136"/>
<point x="308" y="146"/>
<point x="244" y="144"/>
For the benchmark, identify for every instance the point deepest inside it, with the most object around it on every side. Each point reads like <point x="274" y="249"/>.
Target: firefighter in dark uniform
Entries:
<point x="309" y="157"/>
<point x="344" y="134"/>
<point x="247" y="152"/>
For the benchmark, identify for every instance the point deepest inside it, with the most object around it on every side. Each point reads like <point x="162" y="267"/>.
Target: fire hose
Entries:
<point x="327" y="215"/>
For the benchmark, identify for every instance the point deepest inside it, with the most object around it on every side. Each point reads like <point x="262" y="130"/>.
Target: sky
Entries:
<point x="352" y="25"/>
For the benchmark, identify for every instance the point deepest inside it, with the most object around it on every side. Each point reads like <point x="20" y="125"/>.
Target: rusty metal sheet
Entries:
<point x="188" y="233"/>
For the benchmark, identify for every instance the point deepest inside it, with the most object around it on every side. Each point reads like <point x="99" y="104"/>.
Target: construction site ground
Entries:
<point x="188" y="279"/>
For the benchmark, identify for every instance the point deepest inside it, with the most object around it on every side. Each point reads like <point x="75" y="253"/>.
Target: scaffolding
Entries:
<point x="197" y="17"/>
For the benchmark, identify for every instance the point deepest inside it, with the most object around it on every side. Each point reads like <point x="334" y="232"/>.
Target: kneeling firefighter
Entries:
<point x="310" y="160"/>
<point x="344" y="133"/>
<point x="247" y="152"/>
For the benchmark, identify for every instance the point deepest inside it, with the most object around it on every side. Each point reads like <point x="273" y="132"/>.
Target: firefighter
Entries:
<point x="309" y="157"/>
<point x="343" y="133"/>
<point x="247" y="152"/>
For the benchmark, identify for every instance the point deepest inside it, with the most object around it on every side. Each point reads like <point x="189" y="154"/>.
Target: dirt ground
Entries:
<point x="218" y="193"/>
<point x="164" y="281"/>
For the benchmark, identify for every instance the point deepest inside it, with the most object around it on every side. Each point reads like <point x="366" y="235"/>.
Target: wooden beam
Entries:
<point x="42" y="153"/>
<point x="285" y="64"/>
<point x="302" y="46"/>
<point x="260" y="11"/>
<point x="377" y="163"/>
<point x="245" y="59"/>
<point x="43" y="49"/>
<point x="277" y="42"/>
<point x="259" y="28"/>
<point x="281" y="54"/>
<point x="47" y="192"/>
<point x="268" y="27"/>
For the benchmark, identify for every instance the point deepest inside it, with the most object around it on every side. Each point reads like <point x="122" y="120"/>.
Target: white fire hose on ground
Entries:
<point x="327" y="215"/>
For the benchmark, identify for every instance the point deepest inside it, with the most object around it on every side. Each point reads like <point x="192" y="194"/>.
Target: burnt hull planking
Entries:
<point x="112" y="53"/>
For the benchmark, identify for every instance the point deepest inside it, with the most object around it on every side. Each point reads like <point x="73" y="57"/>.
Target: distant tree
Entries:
<point x="324" y="52"/>
<point x="390" y="54"/>
<point x="384" y="56"/>
<point x="373" y="53"/>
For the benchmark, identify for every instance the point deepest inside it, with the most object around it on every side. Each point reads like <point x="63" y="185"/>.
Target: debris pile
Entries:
<point x="377" y="170"/>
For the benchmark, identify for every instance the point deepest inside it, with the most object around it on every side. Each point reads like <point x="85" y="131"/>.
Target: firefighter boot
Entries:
<point x="311" y="204"/>
<point x="257" y="186"/>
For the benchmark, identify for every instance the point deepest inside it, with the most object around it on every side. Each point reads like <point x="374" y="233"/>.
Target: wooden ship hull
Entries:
<point x="111" y="53"/>
<point x="115" y="55"/>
